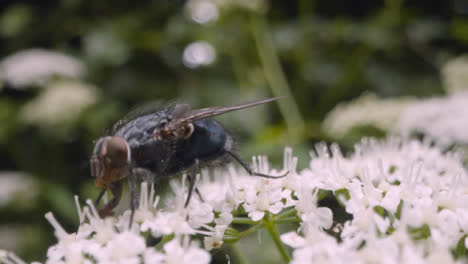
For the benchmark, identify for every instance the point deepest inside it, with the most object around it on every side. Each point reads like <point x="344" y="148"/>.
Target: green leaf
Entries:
<point x="343" y="192"/>
<point x="420" y="233"/>
<point x="460" y="250"/>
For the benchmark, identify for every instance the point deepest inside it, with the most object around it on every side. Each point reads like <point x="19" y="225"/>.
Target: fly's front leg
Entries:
<point x="133" y="197"/>
<point x="192" y="178"/>
<point x="116" y="189"/>
<point x="143" y="174"/>
<point x="246" y="167"/>
<point x="98" y="199"/>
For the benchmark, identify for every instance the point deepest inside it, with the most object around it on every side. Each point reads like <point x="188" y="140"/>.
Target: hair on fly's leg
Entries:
<point x="116" y="189"/>
<point x="246" y="167"/>
<point x="192" y="178"/>
<point x="98" y="199"/>
<point x="133" y="197"/>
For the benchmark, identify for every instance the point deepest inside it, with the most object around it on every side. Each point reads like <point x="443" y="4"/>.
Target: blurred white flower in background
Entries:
<point x="16" y="186"/>
<point x="199" y="53"/>
<point x="202" y="11"/>
<point x="251" y="5"/>
<point x="442" y="119"/>
<point x="368" y="109"/>
<point x="60" y="102"/>
<point x="455" y="74"/>
<point x="37" y="66"/>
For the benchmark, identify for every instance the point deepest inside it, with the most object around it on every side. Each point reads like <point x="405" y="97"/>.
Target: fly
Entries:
<point x="163" y="143"/>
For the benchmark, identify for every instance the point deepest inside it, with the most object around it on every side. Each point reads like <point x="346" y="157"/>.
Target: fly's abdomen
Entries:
<point x="206" y="143"/>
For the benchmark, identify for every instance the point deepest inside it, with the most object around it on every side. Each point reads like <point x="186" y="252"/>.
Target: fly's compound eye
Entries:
<point x="117" y="152"/>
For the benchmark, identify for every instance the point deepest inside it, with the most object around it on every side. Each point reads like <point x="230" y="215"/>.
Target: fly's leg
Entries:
<point x="199" y="194"/>
<point x="98" y="199"/>
<point x="116" y="189"/>
<point x="133" y="197"/>
<point x="142" y="174"/>
<point x="192" y="178"/>
<point x="246" y="167"/>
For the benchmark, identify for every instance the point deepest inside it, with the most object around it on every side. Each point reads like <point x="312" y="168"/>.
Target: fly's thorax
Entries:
<point x="155" y="156"/>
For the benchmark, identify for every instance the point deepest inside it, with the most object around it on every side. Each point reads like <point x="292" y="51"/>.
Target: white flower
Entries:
<point x="455" y="74"/>
<point x="152" y="256"/>
<point x="292" y="180"/>
<point x="166" y="223"/>
<point x="407" y="199"/>
<point x="202" y="11"/>
<point x="442" y="119"/>
<point x="365" y="110"/>
<point x="177" y="251"/>
<point x="317" y="247"/>
<point x="10" y="257"/>
<point x="36" y="66"/>
<point x="200" y="213"/>
<point x="265" y="194"/>
<point x="308" y="211"/>
<point x="198" y="54"/>
<point x="123" y="248"/>
<point x="59" y="103"/>
<point x="214" y="238"/>
<point x="16" y="185"/>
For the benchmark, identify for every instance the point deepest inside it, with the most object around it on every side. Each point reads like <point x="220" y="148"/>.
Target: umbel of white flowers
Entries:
<point x="408" y="203"/>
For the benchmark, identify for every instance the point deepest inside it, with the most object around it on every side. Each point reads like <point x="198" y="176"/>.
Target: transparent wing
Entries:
<point x="197" y="114"/>
<point x="145" y="109"/>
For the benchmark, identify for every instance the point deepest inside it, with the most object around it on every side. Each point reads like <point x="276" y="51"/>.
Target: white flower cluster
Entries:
<point x="110" y="241"/>
<point x="442" y="119"/>
<point x="61" y="102"/>
<point x="455" y="74"/>
<point x="405" y="201"/>
<point x="368" y="109"/>
<point x="408" y="202"/>
<point x="36" y="66"/>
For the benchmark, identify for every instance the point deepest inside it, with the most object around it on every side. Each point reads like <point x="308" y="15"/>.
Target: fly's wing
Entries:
<point x="145" y="109"/>
<point x="193" y="115"/>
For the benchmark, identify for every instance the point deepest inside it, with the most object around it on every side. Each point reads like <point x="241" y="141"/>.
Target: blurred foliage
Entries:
<point x="318" y="53"/>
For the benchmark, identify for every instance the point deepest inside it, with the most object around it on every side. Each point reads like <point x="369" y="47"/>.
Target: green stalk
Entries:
<point x="286" y="213"/>
<point x="163" y="241"/>
<point x="292" y="219"/>
<point x="274" y="74"/>
<point x="271" y="227"/>
<point x="250" y="230"/>
<point x="238" y="254"/>
<point x="243" y="221"/>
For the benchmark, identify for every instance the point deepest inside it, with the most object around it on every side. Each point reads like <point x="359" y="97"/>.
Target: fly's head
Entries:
<point x="110" y="160"/>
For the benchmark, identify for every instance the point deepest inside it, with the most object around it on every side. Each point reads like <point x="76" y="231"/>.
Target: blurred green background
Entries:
<point x="72" y="68"/>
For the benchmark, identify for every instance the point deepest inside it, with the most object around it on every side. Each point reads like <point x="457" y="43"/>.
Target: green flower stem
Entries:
<point x="250" y="230"/>
<point x="286" y="213"/>
<point x="271" y="227"/>
<point x="274" y="74"/>
<point x="163" y="241"/>
<point x="243" y="221"/>
<point x="238" y="254"/>
<point x="292" y="219"/>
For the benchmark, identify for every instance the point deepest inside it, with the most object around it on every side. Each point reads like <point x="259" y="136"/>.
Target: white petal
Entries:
<point x="292" y="239"/>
